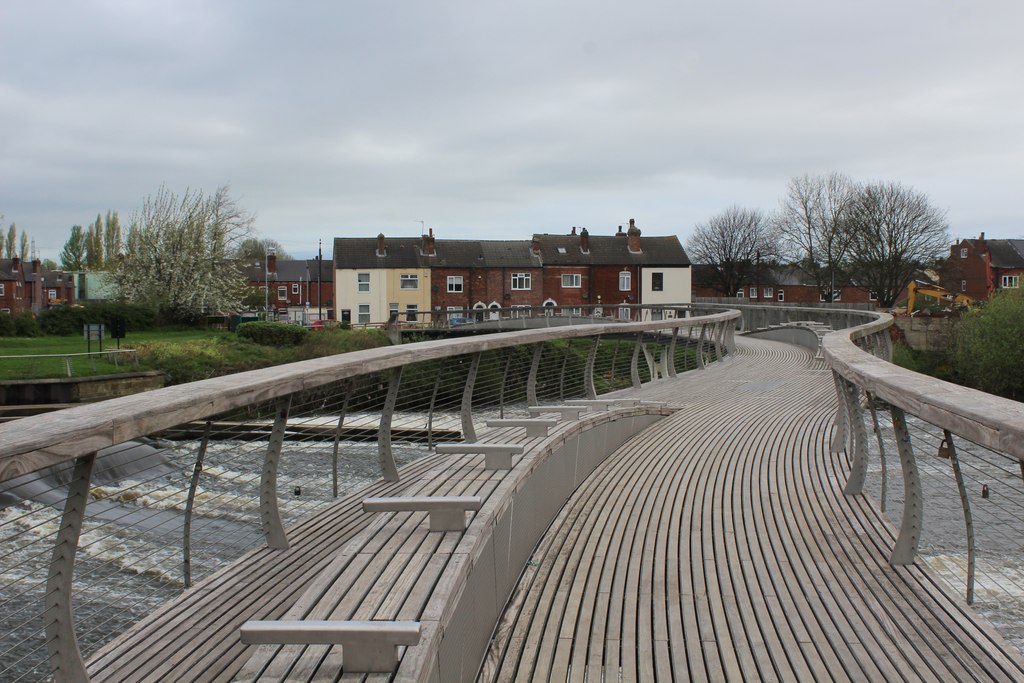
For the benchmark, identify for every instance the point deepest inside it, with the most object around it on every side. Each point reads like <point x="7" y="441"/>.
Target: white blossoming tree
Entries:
<point x="176" y="254"/>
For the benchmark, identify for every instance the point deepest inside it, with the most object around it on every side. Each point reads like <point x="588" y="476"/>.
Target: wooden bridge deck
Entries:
<point x="715" y="545"/>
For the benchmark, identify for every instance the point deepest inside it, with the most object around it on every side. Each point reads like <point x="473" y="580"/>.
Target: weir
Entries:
<point x="709" y="509"/>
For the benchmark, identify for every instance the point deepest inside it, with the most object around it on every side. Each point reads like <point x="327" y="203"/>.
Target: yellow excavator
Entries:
<point x="949" y="299"/>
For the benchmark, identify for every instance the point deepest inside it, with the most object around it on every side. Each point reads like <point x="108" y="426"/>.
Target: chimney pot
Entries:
<point x="584" y="241"/>
<point x="573" y="230"/>
<point x="981" y="236"/>
<point x="633" y="237"/>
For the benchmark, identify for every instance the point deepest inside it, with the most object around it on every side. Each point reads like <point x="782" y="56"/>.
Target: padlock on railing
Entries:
<point x="944" y="448"/>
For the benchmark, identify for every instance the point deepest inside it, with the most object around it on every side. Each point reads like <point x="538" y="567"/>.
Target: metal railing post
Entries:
<point x="270" y="516"/>
<point x="859" y="466"/>
<point x="337" y="442"/>
<point x="588" y="379"/>
<point x="389" y="471"/>
<point x="190" y="504"/>
<point x="531" y="380"/>
<point x="504" y="383"/>
<point x="433" y="403"/>
<point x="700" y="347"/>
<point x="965" y="503"/>
<point x="841" y="434"/>
<point x="672" y="352"/>
<point x="905" y="550"/>
<point x="61" y="642"/>
<point x="881" y="449"/>
<point x="468" y="430"/>
<point x="634" y="365"/>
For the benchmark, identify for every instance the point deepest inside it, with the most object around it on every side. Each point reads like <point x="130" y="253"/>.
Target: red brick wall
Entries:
<point x="968" y="274"/>
<point x="484" y="285"/>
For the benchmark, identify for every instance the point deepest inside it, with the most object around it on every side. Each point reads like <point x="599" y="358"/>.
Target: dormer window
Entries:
<point x="963" y="252"/>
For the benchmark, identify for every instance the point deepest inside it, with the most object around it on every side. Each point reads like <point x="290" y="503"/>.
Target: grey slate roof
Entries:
<point x="614" y="250"/>
<point x="291" y="270"/>
<point x="407" y="252"/>
<point x="1006" y="253"/>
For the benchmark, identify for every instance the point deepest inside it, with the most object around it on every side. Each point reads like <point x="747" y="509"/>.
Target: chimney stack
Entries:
<point x="15" y="264"/>
<point x="620" y="233"/>
<point x="271" y="262"/>
<point x="584" y="241"/>
<point x="633" y="237"/>
<point x="381" y="249"/>
<point x="981" y="236"/>
<point x="427" y="243"/>
<point x="535" y="246"/>
<point x="573" y="230"/>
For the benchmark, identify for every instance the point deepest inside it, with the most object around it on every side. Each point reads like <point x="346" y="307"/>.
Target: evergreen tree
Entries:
<point x="72" y="256"/>
<point x="94" y="245"/>
<point x="11" y="243"/>
<point x="22" y="245"/>
<point x="111" y="239"/>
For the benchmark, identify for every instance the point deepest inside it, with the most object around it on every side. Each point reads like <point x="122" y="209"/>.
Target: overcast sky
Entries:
<point x="498" y="120"/>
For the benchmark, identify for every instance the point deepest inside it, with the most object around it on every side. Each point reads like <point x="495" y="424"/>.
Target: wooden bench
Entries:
<point x="447" y="513"/>
<point x="534" y="427"/>
<point x="566" y="412"/>
<point x="368" y="646"/>
<point x="604" y="403"/>
<point x="497" y="456"/>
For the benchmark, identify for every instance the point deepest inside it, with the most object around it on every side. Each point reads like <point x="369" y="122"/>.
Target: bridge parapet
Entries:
<point x="153" y="492"/>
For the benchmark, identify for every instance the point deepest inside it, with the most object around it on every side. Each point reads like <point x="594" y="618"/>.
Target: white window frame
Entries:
<point x="1" y="289"/>
<point x="282" y="293"/>
<point x="575" y="280"/>
<point x="963" y="252"/>
<point x="739" y="293"/>
<point x="782" y="295"/>
<point x="522" y="281"/>
<point x="413" y="309"/>
<point x="872" y="295"/>
<point x="625" y="281"/>
<point x="409" y="281"/>
<point x="1011" y="282"/>
<point x="455" y="284"/>
<point x="625" y="313"/>
<point x="295" y="288"/>
<point x="768" y="293"/>
<point x="753" y="292"/>
<point x="363" y="314"/>
<point x="363" y="283"/>
<point x="392" y="311"/>
<point x="51" y="294"/>
<point x="963" y="285"/>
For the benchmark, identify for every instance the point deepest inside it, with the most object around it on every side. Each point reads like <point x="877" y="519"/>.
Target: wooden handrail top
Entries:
<point x="512" y="448"/>
<point x="421" y="503"/>
<point x="330" y="632"/>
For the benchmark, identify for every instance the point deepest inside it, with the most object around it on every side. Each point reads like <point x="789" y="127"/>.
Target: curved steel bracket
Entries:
<point x="700" y="347"/>
<point x="905" y="550"/>
<point x="337" y="442"/>
<point x="468" y="430"/>
<point x="840" y="434"/>
<point x="389" y="471"/>
<point x="859" y="466"/>
<point x="634" y="365"/>
<point x="531" y="381"/>
<point x="504" y="383"/>
<point x="588" y="378"/>
<point x="965" y="503"/>
<point x="270" y="516"/>
<point x="61" y="642"/>
<point x="671" y="360"/>
<point x="190" y="504"/>
<point x="881" y="449"/>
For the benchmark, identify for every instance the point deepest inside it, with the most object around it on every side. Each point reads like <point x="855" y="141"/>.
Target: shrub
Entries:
<point x="68" y="320"/>
<point x="25" y="325"/>
<point x="7" y="328"/>
<point x="273" y="334"/>
<point x="990" y="345"/>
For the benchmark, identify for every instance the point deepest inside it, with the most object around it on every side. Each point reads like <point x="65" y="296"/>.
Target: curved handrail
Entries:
<point x="991" y="421"/>
<point x="39" y="441"/>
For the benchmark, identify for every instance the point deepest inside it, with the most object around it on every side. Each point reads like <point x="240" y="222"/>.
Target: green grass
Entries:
<point x="183" y="356"/>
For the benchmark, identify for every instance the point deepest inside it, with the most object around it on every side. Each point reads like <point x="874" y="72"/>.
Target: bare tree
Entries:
<point x="729" y="245"/>
<point x="896" y="232"/>
<point x="176" y="253"/>
<point x="814" y="220"/>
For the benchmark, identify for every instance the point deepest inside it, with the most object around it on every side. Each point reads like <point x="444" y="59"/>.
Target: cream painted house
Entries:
<point x="376" y="278"/>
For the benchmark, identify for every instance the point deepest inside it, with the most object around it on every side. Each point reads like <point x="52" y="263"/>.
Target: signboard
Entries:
<point x="93" y="332"/>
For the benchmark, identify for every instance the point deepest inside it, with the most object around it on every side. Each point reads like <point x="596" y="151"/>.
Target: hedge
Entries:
<point x="273" y="334"/>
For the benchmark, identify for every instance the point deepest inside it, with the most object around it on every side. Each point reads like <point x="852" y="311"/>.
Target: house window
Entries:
<point x="411" y="311"/>
<point x="521" y="280"/>
<point x="739" y="294"/>
<point x="520" y="311"/>
<point x="364" y="314"/>
<point x="782" y="295"/>
<point x="624" y="313"/>
<point x="963" y="252"/>
<point x="295" y="288"/>
<point x="561" y="250"/>
<point x="767" y="292"/>
<point x="657" y="282"/>
<point x="1011" y="281"/>
<point x="454" y="283"/>
<point x="392" y="311"/>
<point x="282" y="293"/>
<point x="625" y="281"/>
<point x="872" y="295"/>
<point x="51" y="294"/>
<point x="363" y="282"/>
<point x="963" y="286"/>
<point x="753" y="292"/>
<point x="572" y="280"/>
<point x="409" y="281"/>
<point x="1" y="289"/>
